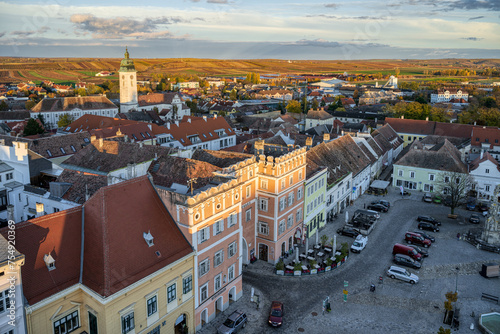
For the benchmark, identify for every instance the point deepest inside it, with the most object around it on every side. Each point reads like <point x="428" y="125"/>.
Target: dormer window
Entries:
<point x="49" y="261"/>
<point x="149" y="238"/>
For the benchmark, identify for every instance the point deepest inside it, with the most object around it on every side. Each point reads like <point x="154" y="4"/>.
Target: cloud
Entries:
<point x="475" y="39"/>
<point x="122" y="27"/>
<point x="321" y="43"/>
<point x="2" y="34"/>
<point x="493" y="5"/>
<point x="475" y="18"/>
<point x="27" y="33"/>
<point x="334" y="17"/>
<point x="331" y="5"/>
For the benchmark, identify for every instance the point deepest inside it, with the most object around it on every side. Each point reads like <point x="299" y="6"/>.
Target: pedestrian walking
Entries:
<point x="458" y="236"/>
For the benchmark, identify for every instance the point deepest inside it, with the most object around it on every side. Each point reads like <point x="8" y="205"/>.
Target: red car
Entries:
<point x="416" y="238"/>
<point x="276" y="314"/>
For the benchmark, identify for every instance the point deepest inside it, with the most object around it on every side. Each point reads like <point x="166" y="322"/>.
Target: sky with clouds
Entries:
<point x="243" y="29"/>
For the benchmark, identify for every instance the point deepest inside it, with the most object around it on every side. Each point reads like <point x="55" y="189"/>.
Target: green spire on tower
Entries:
<point x="127" y="64"/>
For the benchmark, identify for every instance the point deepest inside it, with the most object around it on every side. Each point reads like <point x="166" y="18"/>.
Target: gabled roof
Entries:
<point x="341" y="156"/>
<point x="137" y="132"/>
<point x="54" y="146"/>
<point x="116" y="254"/>
<point x="483" y="135"/>
<point x="414" y="126"/>
<point x="104" y="156"/>
<point x="89" y="122"/>
<point x="61" y="104"/>
<point x="81" y="185"/>
<point x="156" y="98"/>
<point x="318" y="114"/>
<point x="486" y="157"/>
<point x="57" y="234"/>
<point x="446" y="158"/>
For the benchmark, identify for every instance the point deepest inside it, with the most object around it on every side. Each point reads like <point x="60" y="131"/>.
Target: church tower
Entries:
<point x="128" y="84"/>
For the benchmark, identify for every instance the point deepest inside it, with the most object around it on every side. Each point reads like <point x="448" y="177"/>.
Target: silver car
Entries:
<point x="236" y="321"/>
<point x="402" y="274"/>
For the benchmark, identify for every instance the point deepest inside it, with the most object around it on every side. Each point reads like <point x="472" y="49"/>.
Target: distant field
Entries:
<point x="74" y="69"/>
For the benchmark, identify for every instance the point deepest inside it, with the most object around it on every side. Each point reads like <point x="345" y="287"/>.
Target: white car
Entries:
<point x="402" y="274"/>
<point x="359" y="244"/>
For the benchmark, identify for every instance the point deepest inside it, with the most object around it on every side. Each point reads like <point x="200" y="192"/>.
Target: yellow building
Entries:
<point x="118" y="264"/>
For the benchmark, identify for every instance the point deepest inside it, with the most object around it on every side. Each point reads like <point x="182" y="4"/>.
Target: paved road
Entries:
<point x="395" y="307"/>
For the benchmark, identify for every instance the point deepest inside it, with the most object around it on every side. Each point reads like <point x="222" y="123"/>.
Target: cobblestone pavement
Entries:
<point x="395" y="306"/>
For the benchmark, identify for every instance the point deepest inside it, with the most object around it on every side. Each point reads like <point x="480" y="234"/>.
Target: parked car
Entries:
<point x="426" y="236"/>
<point x="359" y="244"/>
<point x="428" y="226"/>
<point x="402" y="274"/>
<point x="406" y="261"/>
<point x="234" y="323"/>
<point x="383" y="202"/>
<point x="482" y="206"/>
<point x="377" y="207"/>
<point x="474" y="219"/>
<point x="429" y="219"/>
<point x="406" y="250"/>
<point x="471" y="205"/>
<point x="347" y="231"/>
<point x="427" y="198"/>
<point x="420" y="250"/>
<point x="276" y="314"/>
<point x="416" y="238"/>
<point x="437" y="199"/>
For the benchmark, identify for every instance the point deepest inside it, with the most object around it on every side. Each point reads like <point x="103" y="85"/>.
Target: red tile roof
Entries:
<point x="482" y="134"/>
<point x="115" y="252"/>
<point x="89" y="122"/>
<point x="137" y="132"/>
<point x="59" y="235"/>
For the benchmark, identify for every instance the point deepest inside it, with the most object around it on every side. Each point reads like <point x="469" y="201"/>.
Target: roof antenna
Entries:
<point x="190" y="182"/>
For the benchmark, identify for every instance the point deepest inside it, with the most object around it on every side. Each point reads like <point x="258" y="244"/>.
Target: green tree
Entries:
<point x="444" y="331"/>
<point x="4" y="106"/>
<point x="233" y="95"/>
<point x="65" y="120"/>
<point x="454" y="185"/>
<point x="30" y="104"/>
<point x="42" y="120"/>
<point x="32" y="128"/>
<point x="81" y="92"/>
<point x="293" y="106"/>
<point x="315" y="104"/>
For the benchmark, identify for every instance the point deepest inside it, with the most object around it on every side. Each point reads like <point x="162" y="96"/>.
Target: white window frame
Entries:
<point x="299" y="193"/>
<point x="282" y="203"/>
<point x="248" y="191"/>
<point x="202" y="288"/>
<point x="263" y="228"/>
<point x="291" y="198"/>
<point x="232" y="219"/>
<point x="248" y="215"/>
<point x="299" y="215"/>
<point x="263" y="204"/>
<point x="203" y="234"/>
<point x="263" y="184"/>
<point x="218" y="258"/>
<point x="487" y="170"/>
<point x="204" y="267"/>
<point x="187" y="284"/>
<point x="289" y="221"/>
<point x="71" y="316"/>
<point x="218" y="227"/>
<point x="155" y="297"/>
<point x="412" y="174"/>
<point x="217" y="278"/>
<point x="400" y="172"/>
<point x="290" y="180"/>
<point x="4" y="301"/>
<point x="282" y="227"/>
<point x="432" y="177"/>
<point x="283" y="184"/>
<point x="230" y="273"/>
<point x="232" y="249"/>
<point x="169" y="292"/>
<point x="131" y="323"/>
<point x="300" y="175"/>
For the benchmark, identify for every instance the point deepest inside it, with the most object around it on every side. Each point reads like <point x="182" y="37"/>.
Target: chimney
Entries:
<point x="481" y="155"/>
<point x="205" y="118"/>
<point x="141" y="144"/>
<point x="427" y="118"/>
<point x="215" y="115"/>
<point x="93" y="138"/>
<point x="189" y="120"/>
<point x="168" y="125"/>
<point x="150" y="127"/>
<point x="39" y="209"/>
<point x="177" y="123"/>
<point x="101" y="142"/>
<point x="10" y="213"/>
<point x="309" y="142"/>
<point x="326" y="136"/>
